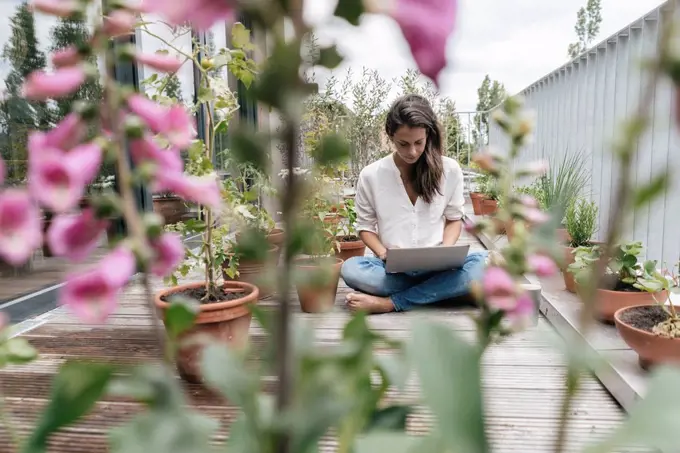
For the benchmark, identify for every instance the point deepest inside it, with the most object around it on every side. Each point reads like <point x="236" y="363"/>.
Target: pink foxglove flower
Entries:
<point x="145" y="150"/>
<point x="201" y="13"/>
<point x="119" y="22"/>
<point x="523" y="314"/>
<point x="169" y="251"/>
<point x="92" y="295"/>
<point x="75" y="236"/>
<point x="159" y="62"/>
<point x="57" y="179"/>
<point x="68" y="133"/>
<point x="499" y="288"/>
<point x="204" y="190"/>
<point x="172" y="122"/>
<point x="20" y="227"/>
<point x="40" y="85"/>
<point x="152" y="113"/>
<point x="528" y="201"/>
<point x="535" y="216"/>
<point x="542" y="265"/>
<point x="68" y="56"/>
<point x="60" y="8"/>
<point x="427" y="25"/>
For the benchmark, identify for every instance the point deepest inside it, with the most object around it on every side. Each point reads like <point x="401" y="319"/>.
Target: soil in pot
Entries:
<point x="608" y="301"/>
<point x="226" y="319"/>
<point x="320" y="286"/>
<point x="635" y="325"/>
<point x="253" y="272"/>
<point x="350" y="246"/>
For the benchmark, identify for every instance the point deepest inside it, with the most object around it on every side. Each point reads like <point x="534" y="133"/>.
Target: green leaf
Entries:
<point x="181" y="315"/>
<point x="391" y="442"/>
<point x="240" y="36"/>
<point x="75" y="390"/>
<point x="223" y="370"/>
<point x="649" y="192"/>
<point x="250" y="148"/>
<point x="332" y="150"/>
<point x="350" y="10"/>
<point x="18" y="351"/>
<point x="396" y="368"/>
<point x="653" y="422"/>
<point x="205" y="94"/>
<point x="391" y="418"/>
<point x="449" y="371"/>
<point x="329" y="57"/>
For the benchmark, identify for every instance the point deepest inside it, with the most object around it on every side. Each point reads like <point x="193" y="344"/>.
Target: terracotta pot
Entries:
<point x="476" y="199"/>
<point x="562" y="235"/>
<point x="317" y="297"/>
<point x="331" y="219"/>
<point x="651" y="349"/>
<point x="250" y="271"/>
<point x="172" y="209"/>
<point x="226" y="322"/>
<point x="275" y="237"/>
<point x="608" y="302"/>
<point x="569" y="282"/>
<point x="489" y="207"/>
<point x="349" y="249"/>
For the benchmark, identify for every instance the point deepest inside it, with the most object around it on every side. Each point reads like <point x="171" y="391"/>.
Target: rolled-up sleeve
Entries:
<point x="455" y="208"/>
<point x="363" y="203"/>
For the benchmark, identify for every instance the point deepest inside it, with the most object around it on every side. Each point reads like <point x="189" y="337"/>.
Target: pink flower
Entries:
<point x="68" y="56"/>
<point x="61" y="8"/>
<point x="40" y="85"/>
<point x="201" y="13"/>
<point x="535" y="216"/>
<point x="174" y="122"/>
<point x="119" y="22"/>
<point x="522" y="315"/>
<point x="57" y="179"/>
<point x="528" y="201"/>
<point x="499" y="289"/>
<point x="68" y="133"/>
<point x="204" y="190"/>
<point x="92" y="295"/>
<point x="3" y="171"/>
<point x="427" y="25"/>
<point x="542" y="265"/>
<point x="159" y="62"/>
<point x="20" y="227"/>
<point x="75" y="236"/>
<point x="169" y="253"/>
<point x="147" y="150"/>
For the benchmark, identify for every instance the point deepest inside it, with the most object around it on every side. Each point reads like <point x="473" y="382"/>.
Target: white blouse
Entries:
<point x="383" y="206"/>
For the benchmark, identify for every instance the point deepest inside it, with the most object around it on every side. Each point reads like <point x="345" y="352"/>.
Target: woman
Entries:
<point x="411" y="198"/>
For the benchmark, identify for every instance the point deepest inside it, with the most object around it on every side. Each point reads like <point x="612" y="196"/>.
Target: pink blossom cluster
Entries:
<point x="61" y="164"/>
<point x="501" y="293"/>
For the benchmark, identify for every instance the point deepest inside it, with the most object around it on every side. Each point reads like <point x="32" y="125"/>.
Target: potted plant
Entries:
<point x="490" y="201"/>
<point x="223" y="311"/>
<point x="621" y="285"/>
<point x="347" y="241"/>
<point x="477" y="196"/>
<point x="581" y="223"/>
<point x="653" y="330"/>
<point x="170" y="207"/>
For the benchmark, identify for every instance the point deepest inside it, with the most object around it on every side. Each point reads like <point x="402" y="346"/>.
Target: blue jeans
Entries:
<point x="410" y="290"/>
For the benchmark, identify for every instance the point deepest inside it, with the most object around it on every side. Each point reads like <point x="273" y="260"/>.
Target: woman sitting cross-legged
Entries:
<point x="411" y="198"/>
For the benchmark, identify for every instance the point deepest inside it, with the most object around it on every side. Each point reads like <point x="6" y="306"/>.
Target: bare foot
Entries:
<point x="370" y="304"/>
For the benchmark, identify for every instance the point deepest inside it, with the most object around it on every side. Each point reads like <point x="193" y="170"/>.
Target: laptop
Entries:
<point x="426" y="259"/>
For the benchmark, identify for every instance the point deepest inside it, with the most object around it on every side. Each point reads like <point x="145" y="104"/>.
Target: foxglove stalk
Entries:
<point x="169" y="253"/>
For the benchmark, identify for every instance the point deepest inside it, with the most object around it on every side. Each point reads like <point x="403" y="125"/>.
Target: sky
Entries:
<point x="514" y="41"/>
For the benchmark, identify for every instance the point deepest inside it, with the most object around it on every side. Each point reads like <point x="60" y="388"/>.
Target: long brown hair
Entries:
<point x="413" y="110"/>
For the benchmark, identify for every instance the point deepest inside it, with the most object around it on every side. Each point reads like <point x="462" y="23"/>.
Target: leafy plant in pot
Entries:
<point x="581" y="223"/>
<point x="347" y="240"/>
<point x="620" y="286"/>
<point x="477" y="196"/>
<point x="490" y="201"/>
<point x="653" y="331"/>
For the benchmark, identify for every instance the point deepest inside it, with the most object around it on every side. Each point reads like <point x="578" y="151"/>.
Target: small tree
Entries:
<point x="588" y="20"/>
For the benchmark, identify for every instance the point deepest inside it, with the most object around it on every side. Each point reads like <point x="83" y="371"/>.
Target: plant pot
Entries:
<point x="351" y="248"/>
<point x="633" y="323"/>
<point x="476" y="199"/>
<point x="47" y="222"/>
<point x="331" y="219"/>
<point x="569" y="282"/>
<point x="172" y="209"/>
<point x="317" y="293"/>
<point x="251" y="271"/>
<point x="608" y="302"/>
<point x="226" y="322"/>
<point x="489" y="207"/>
<point x="563" y="236"/>
<point x="275" y="237"/>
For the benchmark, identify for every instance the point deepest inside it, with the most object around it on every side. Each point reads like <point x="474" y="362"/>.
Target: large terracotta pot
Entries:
<point x="476" y="199"/>
<point x="489" y="207"/>
<point x="276" y="237"/>
<point x="652" y="349"/>
<point x="317" y="293"/>
<point x="251" y="271"/>
<point x="172" y="209"/>
<point x="349" y="249"/>
<point x="226" y="322"/>
<point x="609" y="302"/>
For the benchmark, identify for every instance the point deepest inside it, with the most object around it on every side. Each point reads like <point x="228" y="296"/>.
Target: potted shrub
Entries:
<point x="347" y="241"/>
<point x="490" y="201"/>
<point x="621" y="286"/>
<point x="653" y="330"/>
<point x="477" y="196"/>
<point x="581" y="223"/>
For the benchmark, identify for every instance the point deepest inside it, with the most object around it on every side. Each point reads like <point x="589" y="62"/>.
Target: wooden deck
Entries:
<point x="523" y="378"/>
